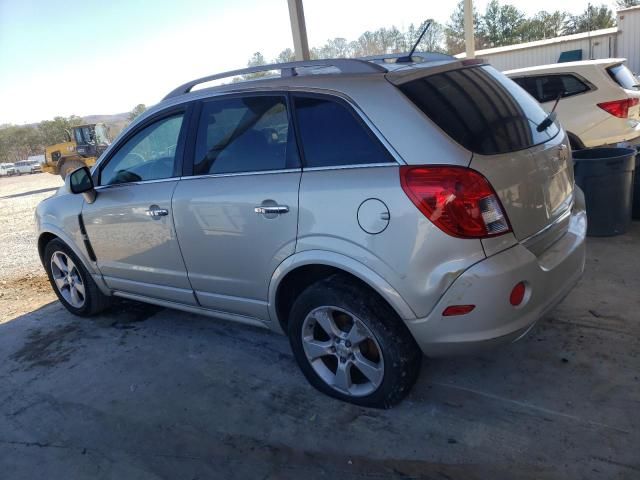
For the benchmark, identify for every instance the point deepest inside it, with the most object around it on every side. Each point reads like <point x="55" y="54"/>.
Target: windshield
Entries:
<point x="623" y="77"/>
<point x="481" y="109"/>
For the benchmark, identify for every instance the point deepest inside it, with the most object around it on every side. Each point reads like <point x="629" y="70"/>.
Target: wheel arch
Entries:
<point x="575" y="142"/>
<point x="301" y="270"/>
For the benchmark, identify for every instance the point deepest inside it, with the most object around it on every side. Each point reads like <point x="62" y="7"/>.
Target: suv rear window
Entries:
<point x="481" y="109"/>
<point x="546" y="88"/>
<point x="623" y="77"/>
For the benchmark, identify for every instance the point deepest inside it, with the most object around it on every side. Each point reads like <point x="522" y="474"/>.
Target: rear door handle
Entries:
<point x="277" y="209"/>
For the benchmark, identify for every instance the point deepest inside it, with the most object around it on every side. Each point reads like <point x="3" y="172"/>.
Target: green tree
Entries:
<point x="543" y="25"/>
<point x="285" y="56"/>
<point x="454" y="30"/>
<point x="593" y="18"/>
<point x="501" y="24"/>
<point x="137" y="111"/>
<point x="57" y="130"/>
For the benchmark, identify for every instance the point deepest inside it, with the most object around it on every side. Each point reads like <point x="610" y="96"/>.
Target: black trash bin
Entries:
<point x="606" y="177"/>
<point x="636" y="188"/>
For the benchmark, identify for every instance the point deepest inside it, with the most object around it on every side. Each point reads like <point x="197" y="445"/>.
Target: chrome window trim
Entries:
<point x="351" y="166"/>
<point x="241" y="174"/>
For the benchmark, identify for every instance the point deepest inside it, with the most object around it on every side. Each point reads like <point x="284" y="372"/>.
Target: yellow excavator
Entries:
<point x="85" y="143"/>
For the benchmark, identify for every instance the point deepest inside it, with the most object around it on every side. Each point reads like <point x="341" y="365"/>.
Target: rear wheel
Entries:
<point x="351" y="345"/>
<point x="71" y="281"/>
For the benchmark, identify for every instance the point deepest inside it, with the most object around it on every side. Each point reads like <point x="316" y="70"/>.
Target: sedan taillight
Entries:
<point x="458" y="200"/>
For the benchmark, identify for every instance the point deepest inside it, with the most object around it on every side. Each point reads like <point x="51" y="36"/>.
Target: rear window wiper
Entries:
<point x="549" y="119"/>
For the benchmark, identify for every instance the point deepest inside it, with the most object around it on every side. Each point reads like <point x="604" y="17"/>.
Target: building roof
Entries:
<point x="572" y="66"/>
<point x="548" y="41"/>
<point x="637" y="7"/>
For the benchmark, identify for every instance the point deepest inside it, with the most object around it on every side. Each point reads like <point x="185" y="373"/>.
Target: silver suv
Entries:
<point x="373" y="211"/>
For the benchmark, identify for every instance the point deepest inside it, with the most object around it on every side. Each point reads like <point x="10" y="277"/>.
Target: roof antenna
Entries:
<point x="408" y="58"/>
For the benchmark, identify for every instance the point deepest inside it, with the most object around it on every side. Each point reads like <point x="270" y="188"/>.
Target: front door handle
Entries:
<point x="157" y="212"/>
<point x="271" y="209"/>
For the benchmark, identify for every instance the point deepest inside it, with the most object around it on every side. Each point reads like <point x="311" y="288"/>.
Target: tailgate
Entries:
<point x="535" y="186"/>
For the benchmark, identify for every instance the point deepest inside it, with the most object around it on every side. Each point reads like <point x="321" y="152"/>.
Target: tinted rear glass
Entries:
<point x="481" y="109"/>
<point x="332" y="135"/>
<point x="623" y="77"/>
<point x="547" y="88"/>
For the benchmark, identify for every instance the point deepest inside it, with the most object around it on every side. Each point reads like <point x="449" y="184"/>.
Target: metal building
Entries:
<point x="621" y="41"/>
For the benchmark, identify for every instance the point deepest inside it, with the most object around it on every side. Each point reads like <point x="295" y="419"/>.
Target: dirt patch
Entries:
<point x="47" y="349"/>
<point x="24" y="294"/>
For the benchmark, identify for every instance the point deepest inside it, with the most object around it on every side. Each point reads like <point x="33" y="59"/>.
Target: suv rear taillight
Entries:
<point x="458" y="200"/>
<point x="619" y="108"/>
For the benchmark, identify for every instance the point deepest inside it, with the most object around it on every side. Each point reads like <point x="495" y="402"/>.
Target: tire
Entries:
<point x="388" y="354"/>
<point x="69" y="166"/>
<point x="93" y="301"/>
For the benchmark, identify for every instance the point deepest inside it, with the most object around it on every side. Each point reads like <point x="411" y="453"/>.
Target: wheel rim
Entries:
<point x="342" y="351"/>
<point x="67" y="279"/>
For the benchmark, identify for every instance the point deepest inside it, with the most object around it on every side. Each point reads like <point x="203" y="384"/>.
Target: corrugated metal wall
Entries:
<point x="629" y="37"/>
<point x="601" y="47"/>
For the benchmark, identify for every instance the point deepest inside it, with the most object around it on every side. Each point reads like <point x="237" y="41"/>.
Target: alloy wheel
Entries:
<point x="342" y="351"/>
<point x="67" y="279"/>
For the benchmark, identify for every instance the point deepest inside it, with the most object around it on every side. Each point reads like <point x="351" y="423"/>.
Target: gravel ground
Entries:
<point x="23" y="283"/>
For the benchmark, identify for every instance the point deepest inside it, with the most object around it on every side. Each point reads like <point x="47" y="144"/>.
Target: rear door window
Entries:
<point x="332" y="135"/>
<point x="481" y="109"/>
<point x="547" y="88"/>
<point x="244" y="134"/>
<point x="623" y="77"/>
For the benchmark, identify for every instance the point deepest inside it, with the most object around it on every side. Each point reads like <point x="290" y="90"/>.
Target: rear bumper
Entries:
<point x="487" y="285"/>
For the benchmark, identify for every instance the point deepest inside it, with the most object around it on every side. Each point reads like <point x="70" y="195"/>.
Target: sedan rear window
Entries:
<point x="623" y="77"/>
<point x="480" y="109"/>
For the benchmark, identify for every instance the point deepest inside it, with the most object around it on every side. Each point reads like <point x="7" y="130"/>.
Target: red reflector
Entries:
<point x="517" y="294"/>
<point x="458" y="200"/>
<point x="452" y="310"/>
<point x="619" y="108"/>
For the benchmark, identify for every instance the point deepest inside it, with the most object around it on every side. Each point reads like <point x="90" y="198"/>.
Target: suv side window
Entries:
<point x="331" y="135"/>
<point x="546" y="88"/>
<point x="149" y="155"/>
<point x="244" y="134"/>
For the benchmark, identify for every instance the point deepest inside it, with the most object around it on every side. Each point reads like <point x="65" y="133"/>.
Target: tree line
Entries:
<point x="17" y="142"/>
<point x="499" y="25"/>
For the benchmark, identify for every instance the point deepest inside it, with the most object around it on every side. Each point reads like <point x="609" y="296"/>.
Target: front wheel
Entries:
<point x="71" y="281"/>
<point x="351" y="345"/>
<point x="69" y="166"/>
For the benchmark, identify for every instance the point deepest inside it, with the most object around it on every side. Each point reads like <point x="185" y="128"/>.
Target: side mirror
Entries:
<point x="80" y="181"/>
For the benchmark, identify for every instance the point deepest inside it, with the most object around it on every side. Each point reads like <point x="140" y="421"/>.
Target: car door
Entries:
<point x="130" y="224"/>
<point x="236" y="214"/>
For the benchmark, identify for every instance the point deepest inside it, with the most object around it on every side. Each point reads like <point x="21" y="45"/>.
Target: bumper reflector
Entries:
<point x="517" y="294"/>
<point x="452" y="310"/>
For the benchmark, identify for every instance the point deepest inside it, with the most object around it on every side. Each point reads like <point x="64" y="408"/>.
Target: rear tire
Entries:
<point x="351" y="345"/>
<point x="71" y="282"/>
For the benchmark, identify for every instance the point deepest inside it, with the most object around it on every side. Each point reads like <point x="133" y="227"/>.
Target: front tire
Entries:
<point x="72" y="283"/>
<point x="351" y="345"/>
<point x="69" y="166"/>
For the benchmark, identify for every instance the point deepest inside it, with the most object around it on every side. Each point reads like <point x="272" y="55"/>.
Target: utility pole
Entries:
<point x="469" y="35"/>
<point x="298" y="30"/>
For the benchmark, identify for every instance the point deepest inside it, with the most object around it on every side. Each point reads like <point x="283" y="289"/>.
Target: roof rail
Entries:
<point x="345" y="65"/>
<point x="417" y="57"/>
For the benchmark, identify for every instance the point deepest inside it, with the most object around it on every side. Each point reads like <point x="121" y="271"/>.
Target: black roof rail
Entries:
<point x="345" y="65"/>
<point x="417" y="57"/>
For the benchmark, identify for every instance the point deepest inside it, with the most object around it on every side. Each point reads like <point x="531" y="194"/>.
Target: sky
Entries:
<point x="82" y="57"/>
